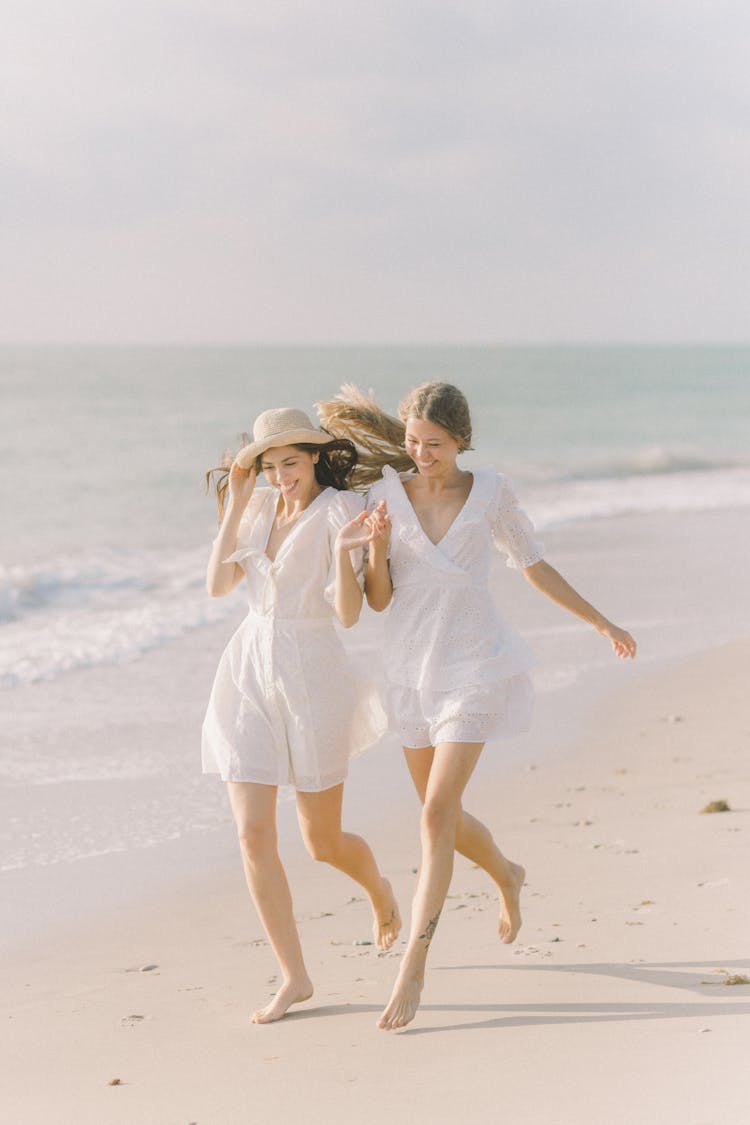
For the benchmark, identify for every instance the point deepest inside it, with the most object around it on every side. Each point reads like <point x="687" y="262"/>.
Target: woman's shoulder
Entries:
<point x="487" y="487"/>
<point x="505" y="491"/>
<point x="390" y="478"/>
<point x="343" y="505"/>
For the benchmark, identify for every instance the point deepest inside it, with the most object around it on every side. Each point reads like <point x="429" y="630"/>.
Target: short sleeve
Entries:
<point x="344" y="507"/>
<point x="247" y="522"/>
<point x="512" y="530"/>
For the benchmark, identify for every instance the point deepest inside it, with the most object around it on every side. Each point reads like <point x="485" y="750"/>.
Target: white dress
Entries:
<point x="286" y="707"/>
<point x="456" y="672"/>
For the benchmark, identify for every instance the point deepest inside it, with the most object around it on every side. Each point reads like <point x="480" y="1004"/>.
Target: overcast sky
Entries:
<point x="499" y="171"/>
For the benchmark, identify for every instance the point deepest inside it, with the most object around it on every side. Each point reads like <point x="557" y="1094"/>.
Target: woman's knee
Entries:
<point x="322" y="846"/>
<point x="439" y="817"/>
<point x="257" y="839"/>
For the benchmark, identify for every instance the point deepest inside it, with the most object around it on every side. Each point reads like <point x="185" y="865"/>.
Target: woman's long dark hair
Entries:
<point x="336" y="462"/>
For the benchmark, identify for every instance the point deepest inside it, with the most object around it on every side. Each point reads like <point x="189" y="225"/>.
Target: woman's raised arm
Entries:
<point x="378" y="585"/>
<point x="222" y="577"/>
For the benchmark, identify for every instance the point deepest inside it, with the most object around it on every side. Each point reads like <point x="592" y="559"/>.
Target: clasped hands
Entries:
<point x="365" y="528"/>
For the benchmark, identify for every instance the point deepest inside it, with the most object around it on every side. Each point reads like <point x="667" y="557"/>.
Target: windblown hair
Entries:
<point x="336" y="463"/>
<point x="379" y="437"/>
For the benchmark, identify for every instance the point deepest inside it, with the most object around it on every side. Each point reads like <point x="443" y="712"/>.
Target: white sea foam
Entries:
<point x="647" y="460"/>
<point x="105" y="608"/>
<point x="563" y="502"/>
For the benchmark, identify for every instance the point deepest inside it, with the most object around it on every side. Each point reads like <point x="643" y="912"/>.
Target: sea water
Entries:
<point x="105" y="523"/>
<point x="106" y="526"/>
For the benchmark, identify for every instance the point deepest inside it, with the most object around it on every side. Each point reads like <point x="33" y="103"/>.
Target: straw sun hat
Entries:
<point x="274" y="428"/>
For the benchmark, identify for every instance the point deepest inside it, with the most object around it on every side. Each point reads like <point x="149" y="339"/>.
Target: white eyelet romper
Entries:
<point x="287" y="707"/>
<point x="455" y="671"/>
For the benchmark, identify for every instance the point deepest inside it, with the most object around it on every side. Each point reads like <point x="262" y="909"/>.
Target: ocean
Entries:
<point x="106" y="529"/>
<point x="105" y="522"/>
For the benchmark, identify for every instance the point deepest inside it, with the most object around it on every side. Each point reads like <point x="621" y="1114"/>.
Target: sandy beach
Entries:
<point x="616" y="1004"/>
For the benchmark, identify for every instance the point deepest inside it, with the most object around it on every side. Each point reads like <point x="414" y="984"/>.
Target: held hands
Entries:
<point x="354" y="534"/>
<point x="380" y="523"/>
<point x="365" y="528"/>
<point x="241" y="484"/>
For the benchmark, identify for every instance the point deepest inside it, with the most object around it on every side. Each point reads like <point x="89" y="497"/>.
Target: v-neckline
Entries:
<point x="302" y="518"/>
<point x="453" y="522"/>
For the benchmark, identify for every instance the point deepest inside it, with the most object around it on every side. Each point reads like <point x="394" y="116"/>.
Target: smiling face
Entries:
<point x="291" y="470"/>
<point x="432" y="449"/>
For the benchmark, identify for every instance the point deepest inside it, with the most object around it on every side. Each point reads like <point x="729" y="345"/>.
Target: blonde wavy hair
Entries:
<point x="379" y="437"/>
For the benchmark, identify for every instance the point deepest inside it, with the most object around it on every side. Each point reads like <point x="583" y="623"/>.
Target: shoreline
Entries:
<point x="635" y="915"/>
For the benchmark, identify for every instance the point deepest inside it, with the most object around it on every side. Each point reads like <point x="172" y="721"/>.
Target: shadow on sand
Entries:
<point x="692" y="977"/>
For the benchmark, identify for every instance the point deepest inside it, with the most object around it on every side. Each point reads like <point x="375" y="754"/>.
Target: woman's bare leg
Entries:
<point x="474" y="840"/>
<point x="319" y="817"/>
<point x="452" y="766"/>
<point x="254" y="809"/>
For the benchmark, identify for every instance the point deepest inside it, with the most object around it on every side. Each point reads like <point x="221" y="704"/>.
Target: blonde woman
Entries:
<point x="286" y="709"/>
<point x="457" y="674"/>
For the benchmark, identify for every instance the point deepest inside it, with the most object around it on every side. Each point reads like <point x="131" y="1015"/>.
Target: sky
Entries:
<point x="332" y="172"/>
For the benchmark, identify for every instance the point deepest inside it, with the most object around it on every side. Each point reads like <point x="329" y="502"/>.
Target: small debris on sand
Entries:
<point x="716" y="806"/>
<point x="115" y="1082"/>
<point x="732" y="978"/>
<point x="729" y="978"/>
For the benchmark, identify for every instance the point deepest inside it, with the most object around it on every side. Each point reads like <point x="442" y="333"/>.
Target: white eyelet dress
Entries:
<point x="455" y="671"/>
<point x="287" y="708"/>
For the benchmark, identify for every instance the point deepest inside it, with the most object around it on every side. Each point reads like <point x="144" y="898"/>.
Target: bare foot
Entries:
<point x="293" y="992"/>
<point x="510" y="906"/>
<point x="387" y="924"/>
<point x="403" y="1004"/>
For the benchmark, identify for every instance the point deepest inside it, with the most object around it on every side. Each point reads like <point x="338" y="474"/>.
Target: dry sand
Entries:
<point x="613" y="1006"/>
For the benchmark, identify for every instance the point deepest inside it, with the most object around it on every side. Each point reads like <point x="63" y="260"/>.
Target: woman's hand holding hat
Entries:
<point x="241" y="484"/>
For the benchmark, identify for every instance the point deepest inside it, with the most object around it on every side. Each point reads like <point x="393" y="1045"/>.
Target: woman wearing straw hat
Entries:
<point x="286" y="708"/>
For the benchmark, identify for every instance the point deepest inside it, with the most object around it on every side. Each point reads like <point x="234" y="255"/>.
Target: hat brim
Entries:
<point x="248" y="454"/>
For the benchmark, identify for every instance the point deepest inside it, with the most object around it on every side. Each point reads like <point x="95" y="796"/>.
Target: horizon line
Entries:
<point x="344" y="344"/>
